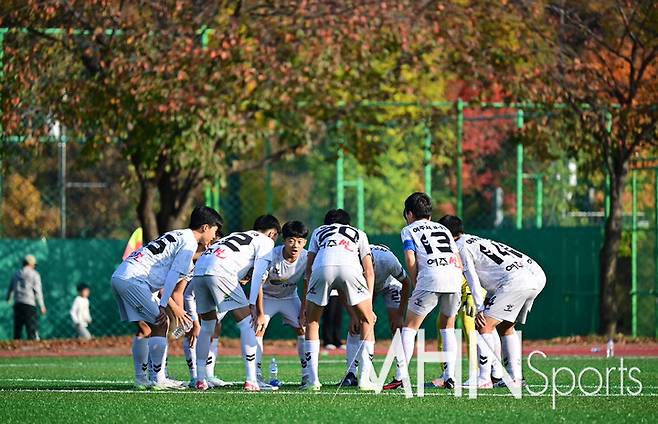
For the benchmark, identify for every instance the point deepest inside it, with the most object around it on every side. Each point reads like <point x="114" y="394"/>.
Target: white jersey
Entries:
<point x="151" y="263"/>
<point x="233" y="256"/>
<point x="497" y="265"/>
<point x="283" y="276"/>
<point x="339" y="245"/>
<point x="437" y="257"/>
<point x="386" y="265"/>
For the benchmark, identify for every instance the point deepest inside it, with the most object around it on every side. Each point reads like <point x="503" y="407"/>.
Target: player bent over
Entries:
<point x="216" y="284"/>
<point x="512" y="281"/>
<point x="160" y="264"/>
<point x="391" y="282"/>
<point x="436" y="272"/>
<point x="280" y="288"/>
<point x="338" y="258"/>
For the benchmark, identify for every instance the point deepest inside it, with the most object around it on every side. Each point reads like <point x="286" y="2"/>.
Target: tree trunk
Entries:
<point x="609" y="254"/>
<point x="146" y="210"/>
<point x="177" y="192"/>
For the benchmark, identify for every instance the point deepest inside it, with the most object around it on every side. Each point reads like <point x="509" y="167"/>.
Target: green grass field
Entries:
<point x="98" y="389"/>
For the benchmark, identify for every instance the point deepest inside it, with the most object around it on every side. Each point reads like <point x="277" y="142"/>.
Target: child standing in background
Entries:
<point x="80" y="312"/>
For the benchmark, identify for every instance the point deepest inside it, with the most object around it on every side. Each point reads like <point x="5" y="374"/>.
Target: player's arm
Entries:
<point x="404" y="295"/>
<point x="176" y="306"/>
<point x="262" y="260"/>
<point x="369" y="272"/>
<point x="412" y="266"/>
<point x="472" y="278"/>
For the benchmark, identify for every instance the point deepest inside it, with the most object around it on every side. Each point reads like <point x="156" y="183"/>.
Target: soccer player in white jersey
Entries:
<point x="216" y="282"/>
<point x="512" y="281"/>
<point x="338" y="258"/>
<point x="391" y="282"/>
<point x="280" y="288"/>
<point x="160" y="264"/>
<point x="436" y="272"/>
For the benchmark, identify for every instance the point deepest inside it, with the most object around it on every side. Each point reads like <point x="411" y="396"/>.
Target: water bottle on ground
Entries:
<point x="610" y="349"/>
<point x="274" y="373"/>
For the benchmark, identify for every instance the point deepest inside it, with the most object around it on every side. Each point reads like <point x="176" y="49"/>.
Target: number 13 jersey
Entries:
<point x="498" y="266"/>
<point x="437" y="257"/>
<point x="233" y="256"/>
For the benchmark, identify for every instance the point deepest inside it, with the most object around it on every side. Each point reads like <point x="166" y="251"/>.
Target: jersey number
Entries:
<point x="235" y="241"/>
<point x="158" y="245"/>
<point x="502" y="250"/>
<point x="442" y="242"/>
<point x="346" y="231"/>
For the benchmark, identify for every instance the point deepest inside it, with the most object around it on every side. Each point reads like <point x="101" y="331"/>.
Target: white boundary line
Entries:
<point x="285" y="393"/>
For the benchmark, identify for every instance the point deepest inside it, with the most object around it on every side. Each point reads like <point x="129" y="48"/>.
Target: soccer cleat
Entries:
<point x="214" y="382"/>
<point x="142" y="384"/>
<point x="176" y="383"/>
<point x="367" y="386"/>
<point x="311" y="387"/>
<point x="495" y="380"/>
<point x="395" y="384"/>
<point x="304" y="380"/>
<point x="250" y="386"/>
<point x="449" y="384"/>
<point x="477" y="383"/>
<point x="330" y="346"/>
<point x="167" y="384"/>
<point x="266" y="387"/>
<point x="201" y="385"/>
<point x="438" y="383"/>
<point x="350" y="380"/>
<point x="515" y="383"/>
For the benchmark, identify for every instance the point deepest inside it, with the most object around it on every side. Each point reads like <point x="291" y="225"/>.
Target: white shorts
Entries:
<point x="213" y="292"/>
<point x="392" y="294"/>
<point x="289" y="308"/>
<point x="422" y="302"/>
<point x="324" y="279"/>
<point x="135" y="300"/>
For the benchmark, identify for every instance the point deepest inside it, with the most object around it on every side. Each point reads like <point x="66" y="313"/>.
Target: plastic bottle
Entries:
<point x="274" y="373"/>
<point x="180" y="331"/>
<point x="610" y="349"/>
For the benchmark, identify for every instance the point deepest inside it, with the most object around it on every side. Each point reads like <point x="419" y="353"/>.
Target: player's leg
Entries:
<point x="353" y="349"/>
<point x="290" y="310"/>
<point x="449" y="306"/>
<point x="317" y="297"/>
<point x="213" y="355"/>
<point x="392" y="296"/>
<point x="140" y="352"/>
<point x="312" y="345"/>
<point x="248" y="346"/>
<point x="190" y="360"/>
<point x="207" y="296"/>
<point x="271" y="307"/>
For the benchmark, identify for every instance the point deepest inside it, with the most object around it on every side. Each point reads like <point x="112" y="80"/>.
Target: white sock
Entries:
<point x="249" y="346"/>
<point x="300" y="352"/>
<point x="166" y="360"/>
<point x="367" y="354"/>
<point x="259" y="357"/>
<point x="212" y="358"/>
<point x="157" y="352"/>
<point x="140" y="350"/>
<point x="190" y="358"/>
<point x="484" y="358"/>
<point x="352" y="352"/>
<point x="512" y="352"/>
<point x="449" y="345"/>
<point x="408" y="342"/>
<point x="496" y="366"/>
<point x="311" y="356"/>
<point x="203" y="347"/>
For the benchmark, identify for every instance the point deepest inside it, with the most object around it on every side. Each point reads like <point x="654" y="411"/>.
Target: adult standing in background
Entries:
<point x="25" y="288"/>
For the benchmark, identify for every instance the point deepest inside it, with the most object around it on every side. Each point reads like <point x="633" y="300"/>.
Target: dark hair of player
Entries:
<point x="81" y="287"/>
<point x="267" y="222"/>
<point x="337" y="216"/>
<point x="453" y="223"/>
<point x="294" y="229"/>
<point x="204" y="215"/>
<point x="418" y="204"/>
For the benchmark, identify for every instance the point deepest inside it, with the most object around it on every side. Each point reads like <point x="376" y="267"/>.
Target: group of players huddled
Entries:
<point x="188" y="280"/>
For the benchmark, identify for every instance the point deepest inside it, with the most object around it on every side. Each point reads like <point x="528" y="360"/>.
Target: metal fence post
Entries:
<point x="634" y="292"/>
<point x="427" y="156"/>
<point x="539" y="199"/>
<point x="269" y="198"/>
<point x="340" y="188"/>
<point x="360" y="207"/>
<point x="519" y="174"/>
<point x="460" y="148"/>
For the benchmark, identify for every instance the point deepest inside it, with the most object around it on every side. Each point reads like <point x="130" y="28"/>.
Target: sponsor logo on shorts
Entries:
<point x="508" y="308"/>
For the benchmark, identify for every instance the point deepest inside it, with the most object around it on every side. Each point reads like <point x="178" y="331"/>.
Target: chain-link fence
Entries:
<point x="482" y="184"/>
